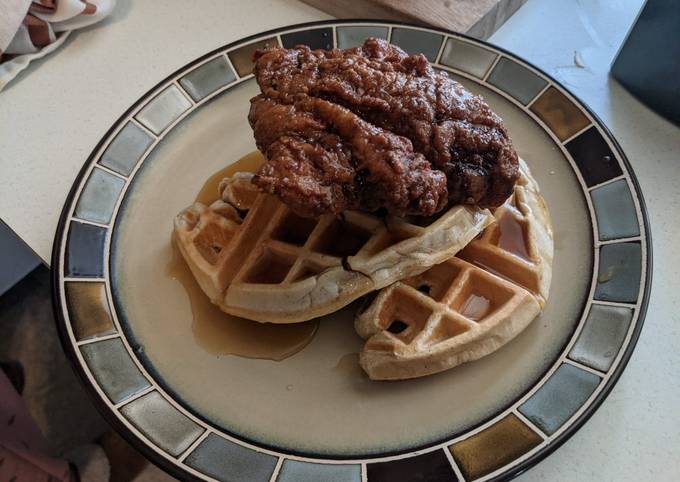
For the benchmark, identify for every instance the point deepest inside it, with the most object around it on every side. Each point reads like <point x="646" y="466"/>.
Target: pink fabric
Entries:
<point x="23" y="449"/>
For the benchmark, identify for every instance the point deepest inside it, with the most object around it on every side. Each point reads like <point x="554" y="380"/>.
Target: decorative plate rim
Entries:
<point x="531" y="457"/>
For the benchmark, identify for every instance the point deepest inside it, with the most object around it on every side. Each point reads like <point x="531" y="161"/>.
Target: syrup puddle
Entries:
<point x="223" y="334"/>
<point x="249" y="163"/>
<point x="475" y="307"/>
<point x="512" y="236"/>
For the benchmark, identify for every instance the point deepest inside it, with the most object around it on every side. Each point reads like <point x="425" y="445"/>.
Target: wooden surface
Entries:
<point x="479" y="18"/>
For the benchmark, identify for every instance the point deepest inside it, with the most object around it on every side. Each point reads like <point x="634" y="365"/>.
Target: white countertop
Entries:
<point x="54" y="115"/>
<point x="635" y="435"/>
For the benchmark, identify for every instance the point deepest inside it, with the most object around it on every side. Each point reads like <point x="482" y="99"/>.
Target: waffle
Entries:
<point x="468" y="306"/>
<point x="257" y="259"/>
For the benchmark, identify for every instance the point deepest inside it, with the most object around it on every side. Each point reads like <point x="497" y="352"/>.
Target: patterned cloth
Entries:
<point x="32" y="29"/>
<point x="23" y="449"/>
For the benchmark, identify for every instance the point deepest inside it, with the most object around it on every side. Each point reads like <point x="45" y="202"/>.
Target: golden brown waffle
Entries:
<point x="519" y="246"/>
<point x="271" y="265"/>
<point x="468" y="306"/>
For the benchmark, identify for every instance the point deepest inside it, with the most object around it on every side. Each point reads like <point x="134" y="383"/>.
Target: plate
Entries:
<point x="166" y="380"/>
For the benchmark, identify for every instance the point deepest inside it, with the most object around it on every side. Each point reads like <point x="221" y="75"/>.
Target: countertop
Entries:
<point x="53" y="115"/>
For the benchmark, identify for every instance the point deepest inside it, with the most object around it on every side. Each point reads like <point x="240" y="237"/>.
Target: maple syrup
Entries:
<point x="475" y="307"/>
<point x="512" y="237"/>
<point x="249" y="163"/>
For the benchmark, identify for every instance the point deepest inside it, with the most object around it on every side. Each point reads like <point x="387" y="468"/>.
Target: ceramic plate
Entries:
<point x="166" y="380"/>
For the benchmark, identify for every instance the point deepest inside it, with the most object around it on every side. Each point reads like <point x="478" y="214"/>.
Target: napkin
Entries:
<point x="32" y="29"/>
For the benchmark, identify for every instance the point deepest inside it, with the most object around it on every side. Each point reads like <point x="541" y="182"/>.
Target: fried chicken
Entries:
<point x="372" y="127"/>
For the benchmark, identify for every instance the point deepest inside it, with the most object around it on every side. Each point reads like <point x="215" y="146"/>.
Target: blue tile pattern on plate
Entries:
<point x="560" y="397"/>
<point x="618" y="278"/>
<point x="163" y="110"/>
<point x="467" y="57"/>
<point x="85" y="250"/>
<point x="229" y="462"/>
<point x="615" y="211"/>
<point x="594" y="159"/>
<point x="418" y="42"/>
<point x="348" y="37"/>
<point x="162" y="423"/>
<point x="113" y="369"/>
<point x="99" y="196"/>
<point x="207" y="78"/>
<point x="602" y="336"/>
<point x="318" y="38"/>
<point x="516" y="80"/>
<point x="294" y="471"/>
<point x="426" y="467"/>
<point x="125" y="151"/>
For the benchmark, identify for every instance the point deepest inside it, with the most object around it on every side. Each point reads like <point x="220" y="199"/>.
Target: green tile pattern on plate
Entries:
<point x="602" y="336"/>
<point x="207" y="78"/>
<point x="418" y="42"/>
<point x="163" y="110"/>
<point x="515" y="79"/>
<point x="113" y="369"/>
<point x="229" y="462"/>
<point x="162" y="423"/>
<point x="560" y="397"/>
<point x="467" y="57"/>
<point x="294" y="471"/>
<point x="618" y="277"/>
<point x="615" y="211"/>
<point x="348" y="37"/>
<point x="99" y="196"/>
<point x="125" y="151"/>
